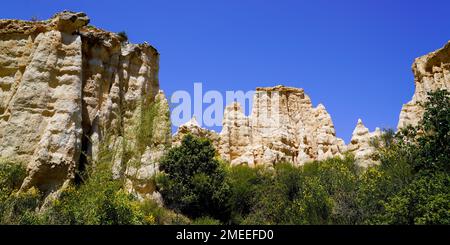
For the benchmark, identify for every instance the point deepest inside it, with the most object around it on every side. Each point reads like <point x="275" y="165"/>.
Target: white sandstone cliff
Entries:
<point x="66" y="87"/>
<point x="431" y="72"/>
<point x="283" y="126"/>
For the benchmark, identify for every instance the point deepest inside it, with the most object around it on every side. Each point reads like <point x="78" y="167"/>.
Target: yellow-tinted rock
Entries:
<point x="66" y="87"/>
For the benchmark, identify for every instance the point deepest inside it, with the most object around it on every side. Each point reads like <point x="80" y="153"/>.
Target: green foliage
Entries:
<point x="433" y="144"/>
<point x="157" y="215"/>
<point x="301" y="195"/>
<point x="99" y="200"/>
<point x="11" y="176"/>
<point x="193" y="181"/>
<point x="411" y="186"/>
<point x="145" y="128"/>
<point x="16" y="207"/>
<point x="339" y="178"/>
<point x="20" y="208"/>
<point x="244" y="183"/>
<point x="424" y="201"/>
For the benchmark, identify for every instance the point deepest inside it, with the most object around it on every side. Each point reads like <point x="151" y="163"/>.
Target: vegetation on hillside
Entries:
<point x="411" y="185"/>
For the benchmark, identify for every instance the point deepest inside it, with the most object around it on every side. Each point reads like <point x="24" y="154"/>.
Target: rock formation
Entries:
<point x="66" y="87"/>
<point x="192" y="127"/>
<point x="361" y="144"/>
<point x="69" y="90"/>
<point x="283" y="126"/>
<point x="431" y="72"/>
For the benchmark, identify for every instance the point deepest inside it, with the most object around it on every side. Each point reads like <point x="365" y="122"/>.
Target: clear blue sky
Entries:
<point x="352" y="56"/>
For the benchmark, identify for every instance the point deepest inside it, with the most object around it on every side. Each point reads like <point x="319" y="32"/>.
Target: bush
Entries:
<point x="411" y="186"/>
<point x="244" y="183"/>
<point x="339" y="178"/>
<point x="434" y="138"/>
<point x="21" y="208"/>
<point x="424" y="201"/>
<point x="11" y="175"/>
<point x="193" y="182"/>
<point x="99" y="200"/>
<point x="16" y="207"/>
<point x="288" y="195"/>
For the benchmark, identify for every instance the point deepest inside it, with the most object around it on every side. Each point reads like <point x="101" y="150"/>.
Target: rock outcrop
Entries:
<point x="283" y="126"/>
<point x="361" y="144"/>
<point x="68" y="91"/>
<point x="193" y="127"/>
<point x="66" y="88"/>
<point x="431" y="72"/>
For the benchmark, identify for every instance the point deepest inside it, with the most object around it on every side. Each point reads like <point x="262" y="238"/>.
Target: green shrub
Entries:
<point x="99" y="200"/>
<point x="16" y="207"/>
<point x="21" y="208"/>
<point x="289" y="196"/>
<point x="425" y="201"/>
<point x="411" y="185"/>
<point x="11" y="175"/>
<point x="244" y="183"/>
<point x="193" y="182"/>
<point x="339" y="178"/>
<point x="434" y="135"/>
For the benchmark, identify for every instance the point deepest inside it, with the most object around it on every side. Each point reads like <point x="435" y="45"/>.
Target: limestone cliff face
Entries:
<point x="64" y="88"/>
<point x="431" y="72"/>
<point x="283" y="126"/>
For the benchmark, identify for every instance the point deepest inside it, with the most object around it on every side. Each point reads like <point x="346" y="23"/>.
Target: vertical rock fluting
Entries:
<point x="283" y="126"/>
<point x="65" y="87"/>
<point x="431" y="72"/>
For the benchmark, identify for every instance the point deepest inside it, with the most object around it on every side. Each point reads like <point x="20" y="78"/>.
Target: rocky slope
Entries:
<point x="66" y="87"/>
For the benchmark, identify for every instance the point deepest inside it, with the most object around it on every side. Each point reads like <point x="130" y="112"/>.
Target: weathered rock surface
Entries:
<point x="361" y="144"/>
<point x="68" y="89"/>
<point x="65" y="88"/>
<point x="283" y="126"/>
<point x="431" y="72"/>
<point x="140" y="172"/>
<point x="193" y="127"/>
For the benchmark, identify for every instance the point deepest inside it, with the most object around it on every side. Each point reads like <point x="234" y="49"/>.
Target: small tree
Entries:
<point x="193" y="181"/>
<point x="434" y="144"/>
